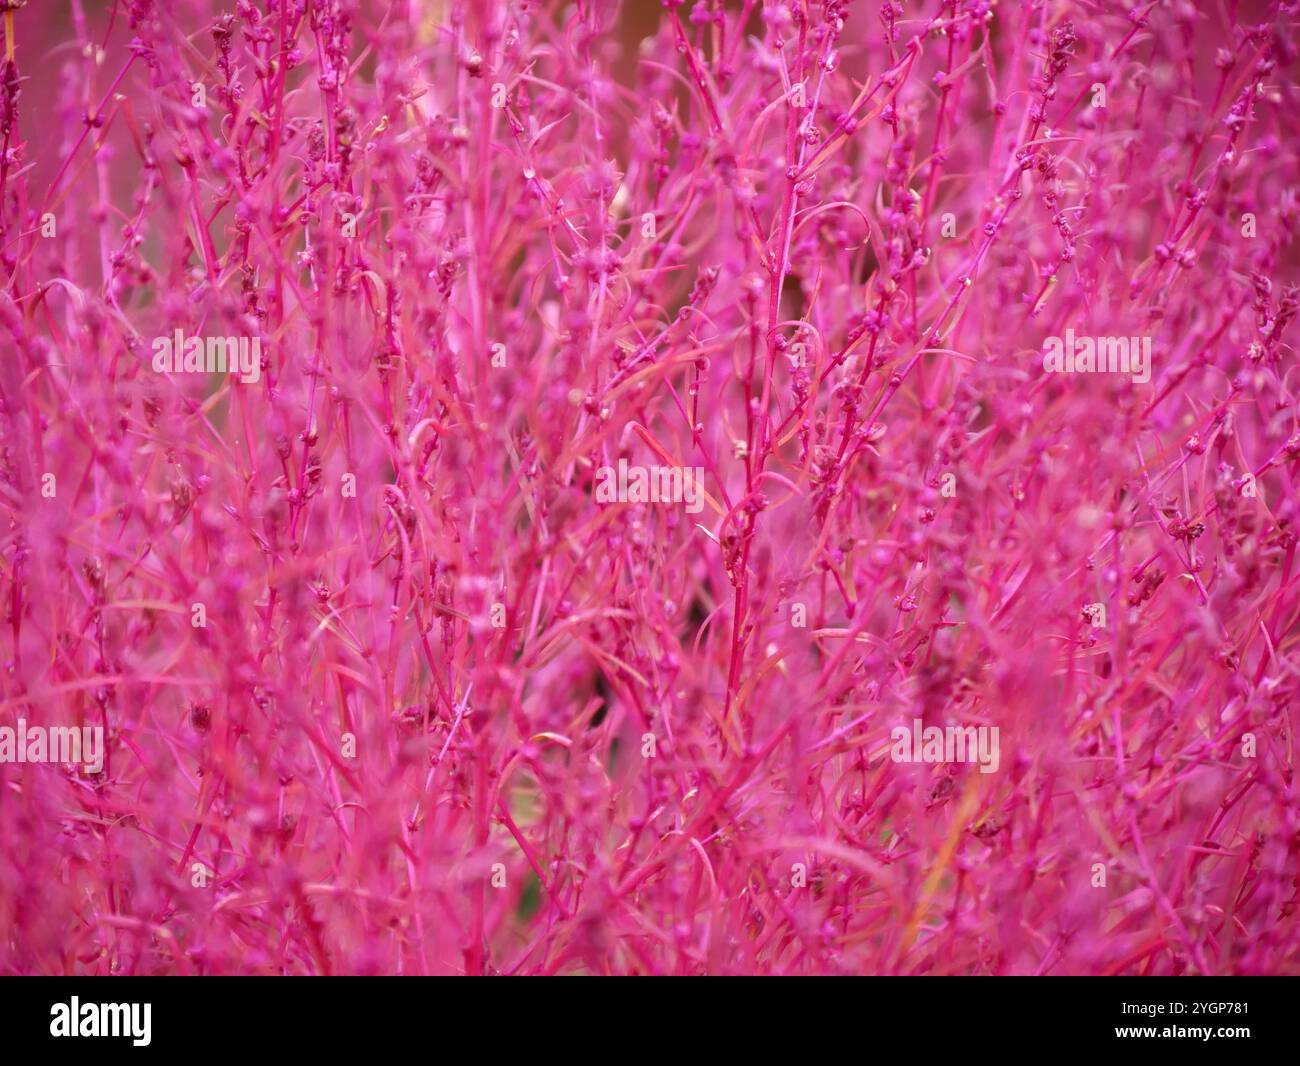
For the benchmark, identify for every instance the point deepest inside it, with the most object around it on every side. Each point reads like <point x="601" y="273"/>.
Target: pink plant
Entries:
<point x="390" y="683"/>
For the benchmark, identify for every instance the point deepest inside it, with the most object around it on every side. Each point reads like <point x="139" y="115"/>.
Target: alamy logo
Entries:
<point x="1098" y="355"/>
<point x="179" y="354"/>
<point x="656" y="484"/>
<point x="953" y="744"/>
<point x="57" y="744"/>
<point x="102" y="1019"/>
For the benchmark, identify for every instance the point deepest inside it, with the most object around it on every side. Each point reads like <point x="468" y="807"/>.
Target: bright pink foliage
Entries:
<point x="472" y="718"/>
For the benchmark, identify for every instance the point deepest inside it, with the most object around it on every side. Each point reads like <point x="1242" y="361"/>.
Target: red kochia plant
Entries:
<point x="388" y="685"/>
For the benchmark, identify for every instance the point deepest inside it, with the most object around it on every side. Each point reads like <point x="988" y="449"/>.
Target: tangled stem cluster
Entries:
<point x="389" y="684"/>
